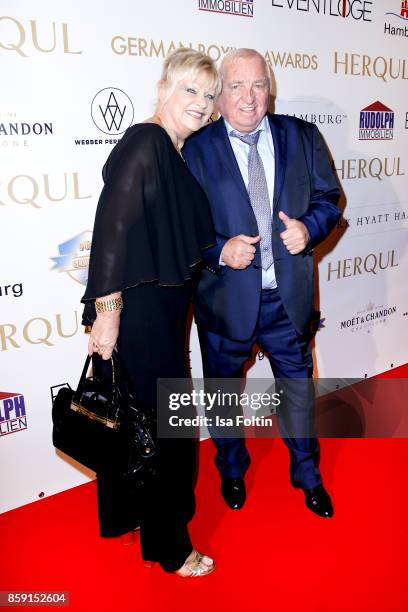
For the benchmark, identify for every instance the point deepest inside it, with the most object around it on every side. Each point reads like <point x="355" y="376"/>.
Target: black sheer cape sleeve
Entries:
<point x="153" y="219"/>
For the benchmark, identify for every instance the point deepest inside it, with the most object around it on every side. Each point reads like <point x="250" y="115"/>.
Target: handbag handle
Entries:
<point x="81" y="384"/>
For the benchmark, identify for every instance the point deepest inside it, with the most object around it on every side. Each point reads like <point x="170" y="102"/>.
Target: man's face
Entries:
<point x="245" y="93"/>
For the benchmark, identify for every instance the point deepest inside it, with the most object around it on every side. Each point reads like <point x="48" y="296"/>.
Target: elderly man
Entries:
<point x="273" y="197"/>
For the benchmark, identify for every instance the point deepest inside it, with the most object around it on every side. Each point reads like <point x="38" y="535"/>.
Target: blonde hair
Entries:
<point x="244" y="53"/>
<point x="184" y="64"/>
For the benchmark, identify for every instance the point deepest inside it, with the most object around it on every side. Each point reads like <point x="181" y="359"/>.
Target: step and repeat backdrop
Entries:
<point x="76" y="74"/>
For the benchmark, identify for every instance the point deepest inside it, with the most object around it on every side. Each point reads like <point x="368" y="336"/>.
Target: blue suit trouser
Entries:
<point x="290" y="358"/>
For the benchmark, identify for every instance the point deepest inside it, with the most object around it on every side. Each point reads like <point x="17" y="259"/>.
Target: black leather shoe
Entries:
<point x="318" y="501"/>
<point x="233" y="492"/>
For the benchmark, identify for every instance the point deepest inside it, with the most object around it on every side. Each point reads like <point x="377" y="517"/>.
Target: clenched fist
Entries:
<point x="296" y="235"/>
<point x="238" y="252"/>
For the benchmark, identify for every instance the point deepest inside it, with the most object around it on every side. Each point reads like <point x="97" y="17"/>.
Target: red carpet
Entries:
<point x="272" y="555"/>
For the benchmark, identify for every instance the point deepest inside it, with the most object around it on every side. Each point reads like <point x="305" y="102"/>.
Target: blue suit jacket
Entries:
<point x="227" y="301"/>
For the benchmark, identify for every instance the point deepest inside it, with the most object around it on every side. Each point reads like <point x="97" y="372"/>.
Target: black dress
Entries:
<point x="152" y="224"/>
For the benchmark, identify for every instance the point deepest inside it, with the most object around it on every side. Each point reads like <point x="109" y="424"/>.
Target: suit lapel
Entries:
<point x="279" y="143"/>
<point x="227" y="157"/>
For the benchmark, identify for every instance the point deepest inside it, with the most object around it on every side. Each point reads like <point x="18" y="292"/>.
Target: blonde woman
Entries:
<point x="151" y="227"/>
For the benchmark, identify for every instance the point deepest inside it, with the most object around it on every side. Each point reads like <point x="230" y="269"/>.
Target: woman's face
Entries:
<point x="190" y="105"/>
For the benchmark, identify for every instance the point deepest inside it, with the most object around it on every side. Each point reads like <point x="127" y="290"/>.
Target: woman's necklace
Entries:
<point x="160" y="122"/>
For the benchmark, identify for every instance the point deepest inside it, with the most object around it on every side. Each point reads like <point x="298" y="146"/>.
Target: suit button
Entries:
<point x="256" y="266"/>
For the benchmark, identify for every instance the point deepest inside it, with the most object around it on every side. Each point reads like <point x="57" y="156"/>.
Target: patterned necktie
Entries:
<point x="259" y="196"/>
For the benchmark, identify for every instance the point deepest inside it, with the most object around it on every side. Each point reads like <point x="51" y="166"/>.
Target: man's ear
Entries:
<point x="161" y="90"/>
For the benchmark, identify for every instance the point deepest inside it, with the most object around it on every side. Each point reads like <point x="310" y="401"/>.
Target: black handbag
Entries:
<point x="101" y="426"/>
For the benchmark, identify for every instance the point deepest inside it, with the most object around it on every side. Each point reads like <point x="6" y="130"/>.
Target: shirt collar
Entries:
<point x="262" y="126"/>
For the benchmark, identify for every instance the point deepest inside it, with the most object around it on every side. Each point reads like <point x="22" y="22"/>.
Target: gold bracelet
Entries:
<point x="109" y="305"/>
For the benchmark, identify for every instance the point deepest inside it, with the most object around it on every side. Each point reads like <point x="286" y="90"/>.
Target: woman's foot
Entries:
<point x="196" y="565"/>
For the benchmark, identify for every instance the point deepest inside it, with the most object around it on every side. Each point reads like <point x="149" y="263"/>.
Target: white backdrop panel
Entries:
<point x="56" y="57"/>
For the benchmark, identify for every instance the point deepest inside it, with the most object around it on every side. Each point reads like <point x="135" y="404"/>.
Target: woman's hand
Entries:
<point x="104" y="334"/>
<point x="105" y="330"/>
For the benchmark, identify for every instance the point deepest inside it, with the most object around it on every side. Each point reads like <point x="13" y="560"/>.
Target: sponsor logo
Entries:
<point x="359" y="10"/>
<point x="23" y="128"/>
<point x="373" y="263"/>
<point x="12" y="413"/>
<point x="144" y="47"/>
<point x="370" y="316"/>
<point x="73" y="257"/>
<point x="400" y="17"/>
<point x="317" y="323"/>
<point x="313" y="111"/>
<point x="15" y="290"/>
<point x="375" y="167"/>
<point x="112" y="113"/>
<point x="291" y="59"/>
<point x="320" y="118"/>
<point x="39" y="331"/>
<point x="368" y="224"/>
<point x="15" y="133"/>
<point x="394" y="31"/>
<point x="34" y="191"/>
<point x="229" y="7"/>
<point x="376" y="122"/>
<point x="23" y="38"/>
<point x="380" y="67"/>
<point x="55" y="388"/>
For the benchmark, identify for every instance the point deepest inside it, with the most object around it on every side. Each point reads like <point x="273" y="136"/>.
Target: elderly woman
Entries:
<point x="152" y="224"/>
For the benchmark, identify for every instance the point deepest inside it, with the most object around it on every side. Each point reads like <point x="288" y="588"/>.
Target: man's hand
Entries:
<point x="296" y="235"/>
<point x="238" y="252"/>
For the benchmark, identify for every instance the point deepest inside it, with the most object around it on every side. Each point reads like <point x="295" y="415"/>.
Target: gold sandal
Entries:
<point x="195" y="566"/>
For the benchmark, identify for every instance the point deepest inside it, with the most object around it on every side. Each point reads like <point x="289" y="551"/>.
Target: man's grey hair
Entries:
<point x="245" y="53"/>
